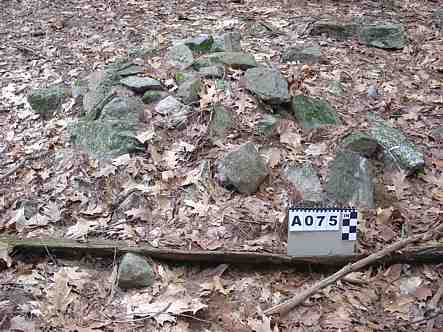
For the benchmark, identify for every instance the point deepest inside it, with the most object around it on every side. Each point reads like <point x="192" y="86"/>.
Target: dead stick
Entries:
<point x="433" y="304"/>
<point x="285" y="307"/>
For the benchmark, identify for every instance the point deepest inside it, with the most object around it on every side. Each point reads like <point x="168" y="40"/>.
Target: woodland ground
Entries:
<point x="45" y="42"/>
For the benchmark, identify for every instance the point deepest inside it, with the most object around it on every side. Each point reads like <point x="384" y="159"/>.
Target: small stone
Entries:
<point x="180" y="56"/>
<point x="153" y="96"/>
<point x="307" y="182"/>
<point x="349" y="182"/>
<point x="372" y="91"/>
<point x="135" y="272"/>
<point x="212" y="72"/>
<point x="141" y="84"/>
<point x="361" y="143"/>
<point x="242" y="170"/>
<point x="125" y="108"/>
<point x="47" y="101"/>
<point x="308" y="55"/>
<point x="79" y="88"/>
<point x="227" y="42"/>
<point x="176" y="113"/>
<point x="313" y="113"/>
<point x="268" y="84"/>
<point x="386" y="36"/>
<point x="221" y="122"/>
<point x="200" y="43"/>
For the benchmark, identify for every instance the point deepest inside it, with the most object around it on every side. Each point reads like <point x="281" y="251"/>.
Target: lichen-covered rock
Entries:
<point x="105" y="138"/>
<point x="338" y="31"/>
<point x="307" y="182"/>
<point x="135" y="272"/>
<point x="361" y="143"/>
<point x="200" y="43"/>
<point x="313" y="113"/>
<point x="227" y="42"/>
<point x="308" y="55"/>
<point x="124" y="108"/>
<point x="236" y="60"/>
<point x="47" y="100"/>
<point x="180" y="56"/>
<point x="386" y="36"/>
<point x="349" y="182"/>
<point x="212" y="72"/>
<point x="221" y="122"/>
<point x="141" y="84"/>
<point x="189" y="91"/>
<point x="268" y="84"/>
<point x="396" y="146"/>
<point x="242" y="170"/>
<point x="153" y="96"/>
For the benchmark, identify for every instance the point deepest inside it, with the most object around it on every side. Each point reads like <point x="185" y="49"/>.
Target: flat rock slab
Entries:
<point x="307" y="182"/>
<point x="242" y="170"/>
<point x="180" y="56"/>
<point x="361" y="143"/>
<point x="308" y="55"/>
<point x="386" y="36"/>
<point x="141" y="84"/>
<point x="313" y="113"/>
<point x="396" y="146"/>
<point x="349" y="182"/>
<point x="128" y="109"/>
<point x="335" y="30"/>
<point x="268" y="84"/>
<point x="134" y="272"/>
<point x="236" y="60"/>
<point x="47" y="100"/>
<point x="105" y="138"/>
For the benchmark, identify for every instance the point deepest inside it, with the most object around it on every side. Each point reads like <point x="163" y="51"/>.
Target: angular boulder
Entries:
<point x="396" y="146"/>
<point x="386" y="36"/>
<point x="141" y="84"/>
<point x="134" y="272"/>
<point x="221" y="121"/>
<point x="128" y="109"/>
<point x="243" y="170"/>
<point x="227" y="42"/>
<point x="153" y="96"/>
<point x="335" y="30"/>
<point x="268" y="84"/>
<point x="349" y="181"/>
<point x="189" y="91"/>
<point x="361" y="143"/>
<point x="313" y="113"/>
<point x="175" y="112"/>
<point x="180" y="56"/>
<point x="308" y="55"/>
<point x="236" y="60"/>
<point x="200" y="43"/>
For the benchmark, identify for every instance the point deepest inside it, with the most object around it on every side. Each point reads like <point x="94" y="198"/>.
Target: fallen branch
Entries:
<point x="286" y="306"/>
<point x="73" y="248"/>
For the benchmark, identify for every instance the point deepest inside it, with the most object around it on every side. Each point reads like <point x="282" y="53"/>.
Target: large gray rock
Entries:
<point x="268" y="84"/>
<point x="313" y="113"/>
<point x="123" y="108"/>
<point x="189" y="91"/>
<point x="135" y="272"/>
<point x="47" y="100"/>
<point x="338" y="31"/>
<point x="105" y="138"/>
<point x="242" y="170"/>
<point x="200" y="43"/>
<point x="227" y="42"/>
<point x="180" y="56"/>
<point x="309" y="55"/>
<point x="221" y="121"/>
<point x="361" y="143"/>
<point x="396" y="146"/>
<point x="141" y="84"/>
<point x="386" y="36"/>
<point x="307" y="182"/>
<point x="236" y="60"/>
<point x="349" y="182"/>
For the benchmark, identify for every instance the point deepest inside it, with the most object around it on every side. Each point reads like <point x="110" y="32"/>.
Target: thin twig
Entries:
<point x="286" y="306"/>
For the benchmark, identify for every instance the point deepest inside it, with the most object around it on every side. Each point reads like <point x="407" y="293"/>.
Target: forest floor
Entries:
<point x="47" y="42"/>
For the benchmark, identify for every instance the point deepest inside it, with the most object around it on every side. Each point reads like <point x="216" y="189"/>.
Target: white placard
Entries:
<point x="310" y="220"/>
